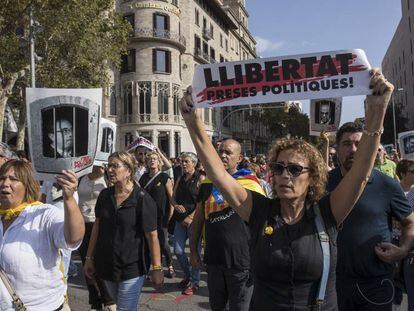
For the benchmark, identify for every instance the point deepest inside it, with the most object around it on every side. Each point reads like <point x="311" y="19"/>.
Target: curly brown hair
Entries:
<point x="318" y="171"/>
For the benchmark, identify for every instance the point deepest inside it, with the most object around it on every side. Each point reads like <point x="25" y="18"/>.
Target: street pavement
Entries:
<point x="169" y="298"/>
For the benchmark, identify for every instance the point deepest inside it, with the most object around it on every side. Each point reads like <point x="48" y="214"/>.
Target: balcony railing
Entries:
<point x="203" y="56"/>
<point x="146" y="32"/>
<point x="150" y="118"/>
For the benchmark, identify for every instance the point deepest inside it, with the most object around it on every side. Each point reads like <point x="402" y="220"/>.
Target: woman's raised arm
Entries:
<point x="347" y="193"/>
<point x="232" y="191"/>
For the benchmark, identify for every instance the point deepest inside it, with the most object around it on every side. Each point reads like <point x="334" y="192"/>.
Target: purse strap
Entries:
<point x="17" y="302"/>
<point x="150" y="181"/>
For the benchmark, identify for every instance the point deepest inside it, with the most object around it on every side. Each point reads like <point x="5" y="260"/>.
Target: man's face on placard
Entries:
<point x="324" y="113"/>
<point x="64" y="139"/>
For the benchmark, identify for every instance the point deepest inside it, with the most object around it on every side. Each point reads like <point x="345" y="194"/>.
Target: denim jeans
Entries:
<point x="126" y="293"/>
<point x="181" y="234"/>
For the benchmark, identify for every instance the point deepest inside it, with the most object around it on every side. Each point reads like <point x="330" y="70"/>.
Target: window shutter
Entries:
<point x="168" y="61"/>
<point x="154" y="60"/>
<point x="167" y="22"/>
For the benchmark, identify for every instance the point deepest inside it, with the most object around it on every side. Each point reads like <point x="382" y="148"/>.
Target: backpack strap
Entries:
<point x="324" y="240"/>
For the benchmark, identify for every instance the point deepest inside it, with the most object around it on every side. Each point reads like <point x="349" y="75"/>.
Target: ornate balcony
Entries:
<point x="203" y="57"/>
<point x="150" y="118"/>
<point x="162" y="35"/>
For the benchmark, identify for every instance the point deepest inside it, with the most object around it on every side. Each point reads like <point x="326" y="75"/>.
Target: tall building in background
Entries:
<point x="398" y="63"/>
<point x="169" y="38"/>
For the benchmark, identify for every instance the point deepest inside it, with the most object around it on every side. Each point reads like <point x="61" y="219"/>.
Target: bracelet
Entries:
<point x="156" y="267"/>
<point x="89" y="258"/>
<point x="372" y="134"/>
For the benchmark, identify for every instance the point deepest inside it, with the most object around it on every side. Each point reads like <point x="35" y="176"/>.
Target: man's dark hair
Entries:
<point x="349" y="127"/>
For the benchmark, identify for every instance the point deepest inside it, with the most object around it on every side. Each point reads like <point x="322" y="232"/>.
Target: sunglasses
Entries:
<point x="294" y="170"/>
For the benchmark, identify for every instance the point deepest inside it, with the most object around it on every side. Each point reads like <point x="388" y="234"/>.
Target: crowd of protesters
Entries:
<point x="297" y="229"/>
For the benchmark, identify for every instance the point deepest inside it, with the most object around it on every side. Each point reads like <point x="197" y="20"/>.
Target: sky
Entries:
<point x="288" y="27"/>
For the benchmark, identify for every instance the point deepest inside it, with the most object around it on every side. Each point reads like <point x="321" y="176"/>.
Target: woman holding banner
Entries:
<point x="303" y="219"/>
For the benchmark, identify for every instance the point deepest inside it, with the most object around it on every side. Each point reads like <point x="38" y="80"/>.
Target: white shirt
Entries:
<point x="139" y="172"/>
<point x="29" y="253"/>
<point x="88" y="191"/>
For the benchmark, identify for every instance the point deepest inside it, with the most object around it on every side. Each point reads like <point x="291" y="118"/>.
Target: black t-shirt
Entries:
<point x="287" y="264"/>
<point x="369" y="223"/>
<point x="121" y="251"/>
<point x="158" y="192"/>
<point x="186" y="195"/>
<point x="227" y="236"/>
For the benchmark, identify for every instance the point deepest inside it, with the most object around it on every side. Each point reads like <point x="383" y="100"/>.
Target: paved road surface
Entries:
<point x="168" y="299"/>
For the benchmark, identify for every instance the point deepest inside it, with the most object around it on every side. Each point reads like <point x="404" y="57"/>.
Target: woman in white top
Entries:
<point x="89" y="188"/>
<point x="32" y="234"/>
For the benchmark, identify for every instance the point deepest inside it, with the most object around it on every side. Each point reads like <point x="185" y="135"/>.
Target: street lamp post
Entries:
<point x="32" y="47"/>
<point x="393" y="116"/>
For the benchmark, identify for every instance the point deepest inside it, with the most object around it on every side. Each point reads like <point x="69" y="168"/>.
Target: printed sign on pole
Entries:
<point x="106" y="141"/>
<point x="278" y="79"/>
<point x="325" y="115"/>
<point x="406" y="143"/>
<point x="63" y="129"/>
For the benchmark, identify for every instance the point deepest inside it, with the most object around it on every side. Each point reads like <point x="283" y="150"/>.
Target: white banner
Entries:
<point x="406" y="143"/>
<point x="63" y="129"/>
<point x="325" y="115"/>
<point x="140" y="142"/>
<point x="106" y="141"/>
<point x="278" y="79"/>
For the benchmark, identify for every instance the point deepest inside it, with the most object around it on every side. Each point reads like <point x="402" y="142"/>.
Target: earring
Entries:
<point x="311" y="191"/>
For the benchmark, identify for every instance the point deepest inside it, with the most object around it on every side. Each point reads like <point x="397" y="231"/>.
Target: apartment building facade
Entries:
<point x="170" y="38"/>
<point x="398" y="63"/>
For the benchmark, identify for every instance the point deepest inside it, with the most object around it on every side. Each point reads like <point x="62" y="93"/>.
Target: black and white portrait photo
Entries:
<point x="406" y="144"/>
<point x="107" y="141"/>
<point x="325" y="115"/>
<point x="62" y="126"/>
<point x="63" y="129"/>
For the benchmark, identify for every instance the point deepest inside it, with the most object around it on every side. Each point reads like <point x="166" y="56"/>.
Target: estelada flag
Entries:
<point x="216" y="203"/>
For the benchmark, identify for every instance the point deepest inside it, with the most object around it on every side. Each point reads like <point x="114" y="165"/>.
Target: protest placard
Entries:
<point x="106" y="141"/>
<point x="278" y="79"/>
<point x="325" y="115"/>
<point x="63" y="129"/>
<point x="406" y="143"/>
<point x="140" y="142"/>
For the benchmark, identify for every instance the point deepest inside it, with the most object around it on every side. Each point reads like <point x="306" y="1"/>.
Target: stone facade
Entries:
<point x="169" y="39"/>
<point x="398" y="62"/>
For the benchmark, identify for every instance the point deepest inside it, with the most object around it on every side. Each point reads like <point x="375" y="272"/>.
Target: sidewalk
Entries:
<point x="169" y="298"/>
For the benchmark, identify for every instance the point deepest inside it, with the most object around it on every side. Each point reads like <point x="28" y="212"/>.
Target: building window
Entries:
<point x="128" y="62"/>
<point x="197" y="17"/>
<point x="144" y="92"/>
<point x="212" y="54"/>
<point x="207" y="115"/>
<point x="164" y="142"/>
<point x="175" y="2"/>
<point x="128" y="139"/>
<point x="112" y="100"/>
<point x="225" y="120"/>
<point x="161" y="61"/>
<point x="212" y="31"/>
<point x="128" y="98"/>
<point x="214" y="116"/>
<point x="161" y="24"/>
<point x="227" y="45"/>
<point x="221" y="40"/>
<point x="176" y="98"/>
<point x="197" y="45"/>
<point x="163" y="92"/>
<point x="177" y="144"/>
<point x="205" y="48"/>
<point x="130" y="18"/>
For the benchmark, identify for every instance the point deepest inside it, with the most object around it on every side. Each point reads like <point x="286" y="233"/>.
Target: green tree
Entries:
<point x="288" y="121"/>
<point x="76" y="42"/>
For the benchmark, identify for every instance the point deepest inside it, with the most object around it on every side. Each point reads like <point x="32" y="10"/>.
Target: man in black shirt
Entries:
<point x="365" y="254"/>
<point x="227" y="236"/>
